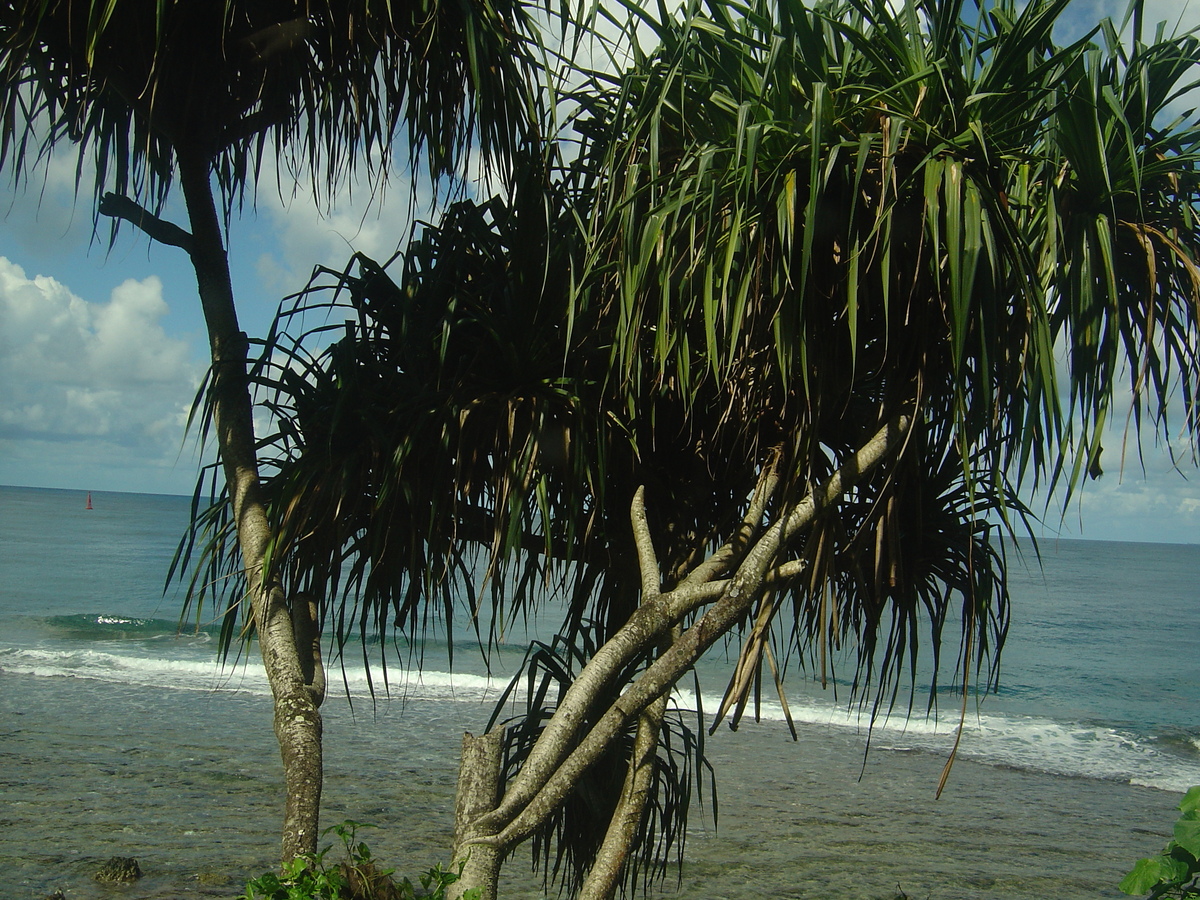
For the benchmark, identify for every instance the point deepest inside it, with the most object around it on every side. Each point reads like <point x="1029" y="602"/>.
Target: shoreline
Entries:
<point x="795" y="820"/>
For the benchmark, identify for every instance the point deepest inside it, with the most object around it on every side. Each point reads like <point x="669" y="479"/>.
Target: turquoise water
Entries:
<point x="120" y="735"/>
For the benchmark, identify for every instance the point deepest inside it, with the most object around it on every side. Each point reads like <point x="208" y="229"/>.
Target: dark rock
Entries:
<point x="119" y="869"/>
<point x="57" y="895"/>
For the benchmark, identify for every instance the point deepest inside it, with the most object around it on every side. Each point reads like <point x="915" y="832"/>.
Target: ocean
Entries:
<point x="122" y="734"/>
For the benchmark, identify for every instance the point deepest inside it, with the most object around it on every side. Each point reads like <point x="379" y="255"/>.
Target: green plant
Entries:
<point x="357" y="878"/>
<point x="1176" y="871"/>
<point x="304" y="878"/>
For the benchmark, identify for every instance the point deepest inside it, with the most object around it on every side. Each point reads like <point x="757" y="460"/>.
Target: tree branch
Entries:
<point x="647" y="558"/>
<point x="613" y="856"/>
<point x="543" y="790"/>
<point x="720" y="561"/>
<point x="645" y="626"/>
<point x="118" y="206"/>
<point x="657" y="613"/>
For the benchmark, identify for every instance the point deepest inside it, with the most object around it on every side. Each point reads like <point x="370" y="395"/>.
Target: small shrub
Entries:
<point x="1176" y="871"/>
<point x="358" y="877"/>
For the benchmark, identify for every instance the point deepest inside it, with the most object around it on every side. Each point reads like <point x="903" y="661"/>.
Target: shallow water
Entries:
<point x="118" y="737"/>
<point x="196" y="799"/>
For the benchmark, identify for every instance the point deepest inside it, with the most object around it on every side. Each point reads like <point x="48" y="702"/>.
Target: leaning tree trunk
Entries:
<point x="608" y="871"/>
<point x="297" y="720"/>
<point x="728" y="582"/>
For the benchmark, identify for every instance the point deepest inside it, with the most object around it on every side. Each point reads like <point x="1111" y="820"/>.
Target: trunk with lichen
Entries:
<point x="285" y="653"/>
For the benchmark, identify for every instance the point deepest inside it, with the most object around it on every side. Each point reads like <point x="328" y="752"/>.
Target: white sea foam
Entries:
<point x="128" y="668"/>
<point x="1014" y="741"/>
<point x="204" y="673"/>
<point x="1023" y="742"/>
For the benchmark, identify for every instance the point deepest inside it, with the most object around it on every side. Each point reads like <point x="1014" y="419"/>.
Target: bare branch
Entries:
<point x="118" y="206"/>
<point x="546" y="788"/>
<point x="690" y="597"/>
<point x="891" y="435"/>
<point x="727" y="555"/>
<point x="613" y="855"/>
<point x="649" y="622"/>
<point x="784" y="572"/>
<point x="647" y="558"/>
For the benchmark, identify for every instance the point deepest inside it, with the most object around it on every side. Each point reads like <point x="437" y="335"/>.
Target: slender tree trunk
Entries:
<point x="478" y="791"/>
<point x="297" y="721"/>
<point x="609" y="868"/>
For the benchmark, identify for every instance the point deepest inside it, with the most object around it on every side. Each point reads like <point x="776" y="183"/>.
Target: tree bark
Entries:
<point x="478" y="791"/>
<point x="308" y="643"/>
<point x="297" y="721"/>
<point x="612" y="858"/>
<point x="561" y="753"/>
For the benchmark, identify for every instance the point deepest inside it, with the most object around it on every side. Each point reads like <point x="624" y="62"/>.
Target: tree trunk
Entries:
<point x="729" y="582"/>
<point x="297" y="721"/>
<point x="478" y="791"/>
<point x="609" y="868"/>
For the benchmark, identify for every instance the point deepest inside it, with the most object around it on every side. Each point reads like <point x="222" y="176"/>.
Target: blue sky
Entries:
<point x="101" y="351"/>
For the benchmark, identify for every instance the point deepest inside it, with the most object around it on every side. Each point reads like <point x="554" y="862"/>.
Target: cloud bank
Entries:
<point x="91" y="386"/>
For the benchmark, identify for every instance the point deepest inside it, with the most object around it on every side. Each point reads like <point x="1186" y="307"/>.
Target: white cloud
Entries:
<point x="303" y="232"/>
<point x="1161" y="507"/>
<point x="1145" y="498"/>
<point x="86" y="384"/>
<point x="299" y="230"/>
<point x="1083" y="14"/>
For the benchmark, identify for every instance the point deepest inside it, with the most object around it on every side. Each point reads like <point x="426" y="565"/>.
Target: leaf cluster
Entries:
<point x="1176" y="871"/>
<point x="319" y="86"/>
<point x="783" y="225"/>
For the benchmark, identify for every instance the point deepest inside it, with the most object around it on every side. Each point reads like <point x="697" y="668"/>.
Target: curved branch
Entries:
<point x="118" y="206"/>
<point x="543" y="789"/>
<point x="647" y="558"/>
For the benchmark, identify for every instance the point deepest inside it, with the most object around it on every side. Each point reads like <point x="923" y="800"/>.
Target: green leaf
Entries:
<point x="1150" y="873"/>
<point x="1187" y="832"/>
<point x="1191" y="800"/>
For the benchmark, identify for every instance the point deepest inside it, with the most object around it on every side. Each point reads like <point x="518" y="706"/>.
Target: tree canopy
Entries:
<point x="158" y="90"/>
<point x="779" y="228"/>
<point x="321" y="86"/>
<point x="816" y="292"/>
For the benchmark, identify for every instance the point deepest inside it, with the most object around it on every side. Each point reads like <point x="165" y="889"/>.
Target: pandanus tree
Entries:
<point x="768" y="343"/>
<point x="164" y="91"/>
